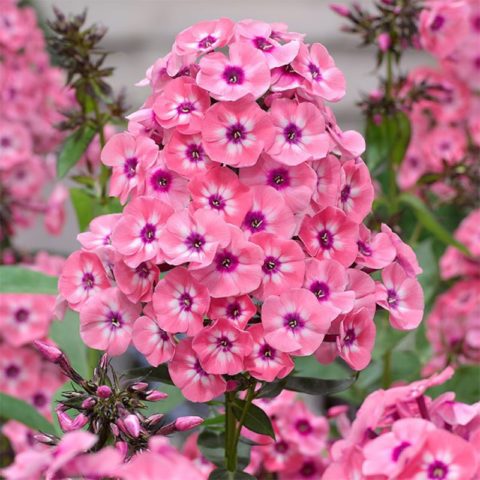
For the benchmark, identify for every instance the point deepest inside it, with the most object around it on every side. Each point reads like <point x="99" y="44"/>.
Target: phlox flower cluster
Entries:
<point x="241" y="244"/>
<point x="31" y="95"/>
<point x="453" y="326"/>
<point x="401" y="433"/>
<point x="24" y="373"/>
<point x="446" y="125"/>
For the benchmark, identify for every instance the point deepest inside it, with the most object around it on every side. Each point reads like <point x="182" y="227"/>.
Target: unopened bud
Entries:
<point x="79" y="421"/>
<point x="341" y="10"/>
<point x="103" y="361"/>
<point x="88" y="403"/>
<point x="139" y="386"/>
<point x="132" y="425"/>
<point x="384" y="41"/>
<point x="45" y="439"/>
<point x="155" y="396"/>
<point x="122" y="447"/>
<point x="50" y="352"/>
<point x="64" y="421"/>
<point x="115" y="430"/>
<point x="152" y="420"/>
<point x="187" y="423"/>
<point x="104" y="391"/>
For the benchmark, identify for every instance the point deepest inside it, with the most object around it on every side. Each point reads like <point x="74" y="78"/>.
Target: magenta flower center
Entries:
<point x="12" y="371"/>
<point x="270" y="265"/>
<point x="476" y="23"/>
<point x="392" y="298"/>
<point x="142" y="270"/>
<point x="21" y="315"/>
<point x="266" y="352"/>
<point x="185" y="108"/>
<point x="195" y="241"/>
<point x="161" y="180"/>
<point x="148" y="232"/>
<point x="303" y="426"/>
<point x="234" y="75"/>
<point x="281" y="446"/>
<point x="163" y="335"/>
<point x="39" y="400"/>
<point x="263" y="44"/>
<point x="437" y="470"/>
<point x="236" y="133"/>
<point x="325" y="239"/>
<point x="255" y="221"/>
<point x="114" y="319"/>
<point x="345" y="193"/>
<point x="349" y="337"/>
<point x="88" y="281"/>
<point x="364" y="249"/>
<point x="292" y="133"/>
<point x="437" y="23"/>
<point x="195" y="153"/>
<point x="320" y="290"/>
<point x="186" y="302"/>
<point x="279" y="178"/>
<point x="5" y="142"/>
<point x="199" y="370"/>
<point x="216" y="202"/>
<point x="308" y="470"/>
<point x="396" y="452"/>
<point x="224" y="344"/>
<point x="293" y="321"/>
<point x="206" y="42"/>
<point x="314" y="72"/>
<point x="234" y="310"/>
<point x="226" y="261"/>
<point x="130" y="167"/>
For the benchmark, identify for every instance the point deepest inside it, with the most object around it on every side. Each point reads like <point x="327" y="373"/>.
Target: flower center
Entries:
<point x="349" y="337"/>
<point x="437" y="470"/>
<point x="233" y="75"/>
<point x="364" y="249"/>
<point x="39" y="400"/>
<point x="206" y="42"/>
<point x="234" y="310"/>
<point x="216" y="202"/>
<point x="115" y="319"/>
<point x="303" y="426"/>
<point x="345" y="193"/>
<point x="185" y="301"/>
<point x="226" y="262"/>
<point x="255" y="221"/>
<point x="398" y="450"/>
<point x="267" y="352"/>
<point x="161" y="180"/>
<point x="437" y="23"/>
<point x="88" y="281"/>
<point x="320" y="290"/>
<point x="185" y="108"/>
<point x="325" y="238"/>
<point x="199" y="370"/>
<point x="314" y="72"/>
<point x="12" y="371"/>
<point x="308" y="470"/>
<point x="392" y="298"/>
<point x="195" y="153"/>
<point x="262" y="43"/>
<point x="195" y="241"/>
<point x="142" y="270"/>
<point x="224" y="344"/>
<point x="279" y="178"/>
<point x="270" y="265"/>
<point x="236" y="133"/>
<point x="292" y="133"/>
<point x="130" y="167"/>
<point x="21" y="315"/>
<point x="148" y="232"/>
<point x="293" y="321"/>
<point x="281" y="446"/>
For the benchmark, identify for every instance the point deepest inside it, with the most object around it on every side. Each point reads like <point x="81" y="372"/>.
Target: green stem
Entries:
<point x="389" y="79"/>
<point x="230" y="427"/>
<point x="387" y="369"/>
<point x="248" y="402"/>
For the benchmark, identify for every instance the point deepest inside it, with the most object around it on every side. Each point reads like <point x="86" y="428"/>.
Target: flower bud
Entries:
<point x="88" y="403"/>
<point x="232" y="385"/>
<point x="122" y="447"/>
<point x="104" y="391"/>
<point x="155" y="396"/>
<point x="384" y="41"/>
<point x="50" y="352"/>
<point x="114" y="429"/>
<point x="64" y="421"/>
<point x="80" y="421"/>
<point x="341" y="10"/>
<point x="152" y="420"/>
<point x="187" y="423"/>
<point x="139" y="386"/>
<point x="132" y="425"/>
<point x="45" y="439"/>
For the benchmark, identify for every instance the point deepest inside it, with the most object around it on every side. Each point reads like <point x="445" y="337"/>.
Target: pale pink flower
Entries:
<point x="322" y="77"/>
<point x="269" y="213"/>
<point x="180" y="302"/>
<point x="150" y="339"/>
<point x="283" y="264"/>
<point x="182" y="105"/>
<point x="222" y="347"/>
<point x="330" y="234"/>
<point x="136" y="282"/>
<point x="82" y="277"/>
<point x="328" y="280"/>
<point x="328" y="172"/>
<point x="189" y="376"/>
<point x="259" y="34"/>
<point x="15" y="143"/>
<point x="356" y="339"/>
<point x="295" y="183"/>
<point x="203" y="37"/>
<point x="128" y="155"/>
<point x="220" y="191"/>
<point x="99" y="232"/>
<point x="402" y="296"/>
<point x="194" y="238"/>
<point x="244" y="72"/>
<point x="185" y="155"/>
<point x="25" y="317"/>
<point x="356" y="191"/>
<point x="236" y="269"/>
<point x="293" y="322"/>
<point x="299" y="132"/>
<point x="238" y="310"/>
<point x="265" y="362"/>
<point x="106" y="321"/>
<point x="165" y="184"/>
<point x="236" y="133"/>
<point x="19" y="370"/>
<point x="285" y="78"/>
<point x="374" y="250"/>
<point x="136" y="235"/>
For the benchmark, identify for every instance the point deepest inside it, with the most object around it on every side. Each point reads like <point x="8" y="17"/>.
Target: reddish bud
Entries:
<point x="154" y="419"/>
<point x="384" y="41"/>
<point x="115" y="430"/>
<point x="341" y="10"/>
<point x="155" y="396"/>
<point x="88" y="403"/>
<point x="79" y="421"/>
<point x="187" y="423"/>
<point x="139" y="386"/>
<point x="104" y="391"/>
<point x="122" y="447"/>
<point x="50" y="352"/>
<point x="132" y="425"/>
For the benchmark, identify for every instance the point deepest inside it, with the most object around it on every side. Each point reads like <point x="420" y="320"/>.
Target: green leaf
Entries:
<point x="223" y="474"/>
<point x="428" y="220"/>
<point x="23" y="280"/>
<point x="429" y="278"/>
<point x="217" y="420"/>
<point x="87" y="207"/>
<point x="317" y="386"/>
<point x="73" y="148"/>
<point x="150" y="374"/>
<point x="271" y="389"/>
<point x="12" y="408"/>
<point x="175" y="398"/>
<point x="212" y="446"/>
<point x="255" y="419"/>
<point x="66" y="334"/>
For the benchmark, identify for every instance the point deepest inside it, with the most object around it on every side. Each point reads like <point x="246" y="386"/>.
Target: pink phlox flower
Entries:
<point x="136" y="283"/>
<point x="374" y="250"/>
<point x="237" y="310"/>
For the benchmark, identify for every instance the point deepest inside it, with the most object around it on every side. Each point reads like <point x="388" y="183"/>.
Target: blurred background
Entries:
<point x="141" y="31"/>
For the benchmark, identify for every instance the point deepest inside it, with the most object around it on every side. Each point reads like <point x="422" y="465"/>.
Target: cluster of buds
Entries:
<point x="109" y="407"/>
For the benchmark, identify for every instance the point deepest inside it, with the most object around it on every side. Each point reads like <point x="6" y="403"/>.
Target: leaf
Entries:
<point x="23" y="280"/>
<point x="271" y="389"/>
<point x="429" y="278"/>
<point x="151" y="374"/>
<point x="73" y="148"/>
<point x="217" y="420"/>
<point x="317" y="386"/>
<point x="255" y="419"/>
<point x="174" y="399"/>
<point x="212" y="446"/>
<point x="223" y="474"/>
<point x="12" y="408"/>
<point x="428" y="220"/>
<point x="66" y="334"/>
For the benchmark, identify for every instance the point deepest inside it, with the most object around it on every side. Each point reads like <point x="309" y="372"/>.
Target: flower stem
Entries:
<point x="387" y="369"/>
